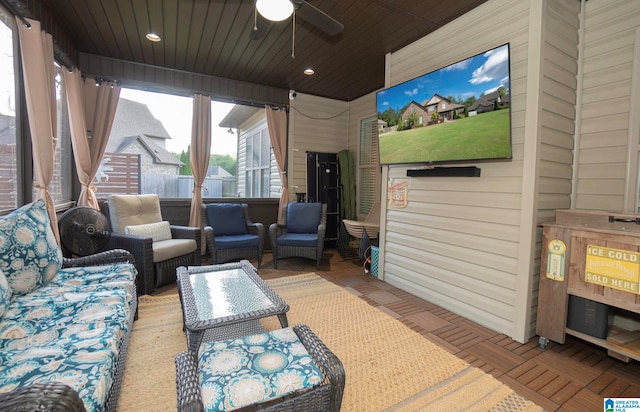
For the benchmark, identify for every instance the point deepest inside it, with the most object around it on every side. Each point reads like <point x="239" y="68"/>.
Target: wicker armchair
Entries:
<point x="325" y="397"/>
<point x="300" y="233"/>
<point x="156" y="262"/>
<point x="230" y="233"/>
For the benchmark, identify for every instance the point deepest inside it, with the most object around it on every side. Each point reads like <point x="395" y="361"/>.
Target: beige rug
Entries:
<point x="388" y="366"/>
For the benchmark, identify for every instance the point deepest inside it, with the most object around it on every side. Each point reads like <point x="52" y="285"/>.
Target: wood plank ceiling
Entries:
<point x="211" y="37"/>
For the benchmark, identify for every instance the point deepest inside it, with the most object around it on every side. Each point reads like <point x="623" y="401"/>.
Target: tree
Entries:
<point x="390" y="116"/>
<point x="470" y="101"/>
<point x="412" y="119"/>
<point x="226" y="162"/>
<point x="185" y="157"/>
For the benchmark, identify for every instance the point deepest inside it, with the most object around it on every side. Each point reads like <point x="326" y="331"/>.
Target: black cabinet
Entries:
<point x="323" y="185"/>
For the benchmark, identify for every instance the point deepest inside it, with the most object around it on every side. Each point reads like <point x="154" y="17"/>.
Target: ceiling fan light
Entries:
<point x="274" y="10"/>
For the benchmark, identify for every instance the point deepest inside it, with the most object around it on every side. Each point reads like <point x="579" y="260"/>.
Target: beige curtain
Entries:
<point x="39" y="73"/>
<point x="92" y="109"/>
<point x="200" y="154"/>
<point x="277" y="123"/>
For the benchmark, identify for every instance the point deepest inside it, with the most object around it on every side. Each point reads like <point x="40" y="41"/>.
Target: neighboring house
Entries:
<point x="487" y="102"/>
<point x="258" y="174"/>
<point x="381" y="125"/>
<point x="436" y="104"/>
<point x="136" y="131"/>
<point x="217" y="171"/>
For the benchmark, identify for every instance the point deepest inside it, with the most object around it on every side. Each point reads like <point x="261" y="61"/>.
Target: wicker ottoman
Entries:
<point x="223" y="371"/>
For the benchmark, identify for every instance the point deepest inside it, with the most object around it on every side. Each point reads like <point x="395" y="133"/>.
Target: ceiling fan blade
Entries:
<point x="263" y="26"/>
<point x="317" y="17"/>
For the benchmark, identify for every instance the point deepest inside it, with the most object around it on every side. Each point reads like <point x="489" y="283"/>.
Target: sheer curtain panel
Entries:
<point x="92" y="109"/>
<point x="277" y="124"/>
<point x="200" y="154"/>
<point x="36" y="50"/>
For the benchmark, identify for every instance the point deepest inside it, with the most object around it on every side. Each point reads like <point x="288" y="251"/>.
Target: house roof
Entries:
<point x="218" y="171"/>
<point x="135" y="122"/>
<point x="213" y="38"/>
<point x="159" y="154"/>
<point x="238" y="115"/>
<point x="488" y="100"/>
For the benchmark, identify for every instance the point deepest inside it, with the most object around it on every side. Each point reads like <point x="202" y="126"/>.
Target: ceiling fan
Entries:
<point x="268" y="11"/>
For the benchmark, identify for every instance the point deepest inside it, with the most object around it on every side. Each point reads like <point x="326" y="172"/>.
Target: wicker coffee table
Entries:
<point x="225" y="301"/>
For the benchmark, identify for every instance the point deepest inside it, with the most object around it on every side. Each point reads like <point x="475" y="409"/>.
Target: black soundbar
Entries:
<point x="463" y="171"/>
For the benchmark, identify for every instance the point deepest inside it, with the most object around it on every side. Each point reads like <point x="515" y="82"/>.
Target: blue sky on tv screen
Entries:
<point x="474" y="76"/>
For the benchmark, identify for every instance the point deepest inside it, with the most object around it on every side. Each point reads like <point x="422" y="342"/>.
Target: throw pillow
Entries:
<point x="29" y="253"/>
<point x="157" y="231"/>
<point x="5" y="294"/>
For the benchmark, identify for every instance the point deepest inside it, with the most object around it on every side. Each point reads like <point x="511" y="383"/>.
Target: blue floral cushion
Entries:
<point x="254" y="369"/>
<point x="71" y="337"/>
<point x="5" y="294"/>
<point x="29" y="253"/>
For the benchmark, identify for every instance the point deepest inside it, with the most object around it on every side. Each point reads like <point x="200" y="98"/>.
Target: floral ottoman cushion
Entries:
<point x="254" y="369"/>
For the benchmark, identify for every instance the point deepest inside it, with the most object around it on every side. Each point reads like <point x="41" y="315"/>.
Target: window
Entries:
<point x="368" y="166"/>
<point x="9" y="178"/>
<point x="60" y="185"/>
<point x="149" y="149"/>
<point x="258" y="164"/>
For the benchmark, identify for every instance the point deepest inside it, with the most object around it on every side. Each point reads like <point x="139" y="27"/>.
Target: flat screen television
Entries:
<point x="459" y="113"/>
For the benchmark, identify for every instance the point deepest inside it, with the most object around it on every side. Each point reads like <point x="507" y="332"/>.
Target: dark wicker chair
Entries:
<point x="230" y="233"/>
<point x="301" y="232"/>
<point x="323" y="398"/>
<point x="151" y="274"/>
<point x="56" y="396"/>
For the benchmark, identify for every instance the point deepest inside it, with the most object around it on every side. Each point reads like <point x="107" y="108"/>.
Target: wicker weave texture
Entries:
<point x="325" y="397"/>
<point x="58" y="397"/>
<point x="309" y="252"/>
<point x="226" y="255"/>
<point x="196" y="326"/>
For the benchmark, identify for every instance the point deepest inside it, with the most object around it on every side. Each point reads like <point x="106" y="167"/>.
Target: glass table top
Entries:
<point x="229" y="292"/>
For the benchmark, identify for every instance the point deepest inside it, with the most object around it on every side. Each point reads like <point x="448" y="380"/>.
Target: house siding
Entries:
<point x="471" y="244"/>
<point x="316" y="124"/>
<point x="256" y="123"/>
<point x="608" y="126"/>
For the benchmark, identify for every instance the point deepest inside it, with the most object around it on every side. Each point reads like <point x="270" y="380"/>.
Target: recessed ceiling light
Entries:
<point x="153" y="37"/>
<point x="309" y="71"/>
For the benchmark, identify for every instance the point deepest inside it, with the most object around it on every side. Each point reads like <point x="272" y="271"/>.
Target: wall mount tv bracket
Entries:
<point x="462" y="171"/>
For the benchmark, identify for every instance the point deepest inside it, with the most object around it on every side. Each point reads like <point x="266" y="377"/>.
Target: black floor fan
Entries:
<point x="83" y="231"/>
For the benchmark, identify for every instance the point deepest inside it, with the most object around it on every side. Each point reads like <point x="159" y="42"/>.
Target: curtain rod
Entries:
<point x="14" y="10"/>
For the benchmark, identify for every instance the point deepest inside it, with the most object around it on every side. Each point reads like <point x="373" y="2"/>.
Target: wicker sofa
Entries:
<point x="64" y="323"/>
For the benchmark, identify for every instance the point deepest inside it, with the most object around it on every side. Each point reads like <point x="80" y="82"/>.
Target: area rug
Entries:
<point x="388" y="366"/>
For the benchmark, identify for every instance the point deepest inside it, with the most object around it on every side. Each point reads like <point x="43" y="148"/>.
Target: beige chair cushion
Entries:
<point x="133" y="210"/>
<point x="156" y="231"/>
<point x="169" y="249"/>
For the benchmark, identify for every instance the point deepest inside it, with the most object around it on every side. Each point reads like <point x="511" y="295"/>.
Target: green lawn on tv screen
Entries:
<point x="484" y="136"/>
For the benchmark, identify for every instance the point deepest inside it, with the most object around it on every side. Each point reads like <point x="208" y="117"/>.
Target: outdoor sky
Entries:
<point x="175" y="114"/>
<point x="483" y="73"/>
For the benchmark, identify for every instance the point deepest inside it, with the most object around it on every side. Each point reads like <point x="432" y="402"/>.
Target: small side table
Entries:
<point x="225" y="301"/>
